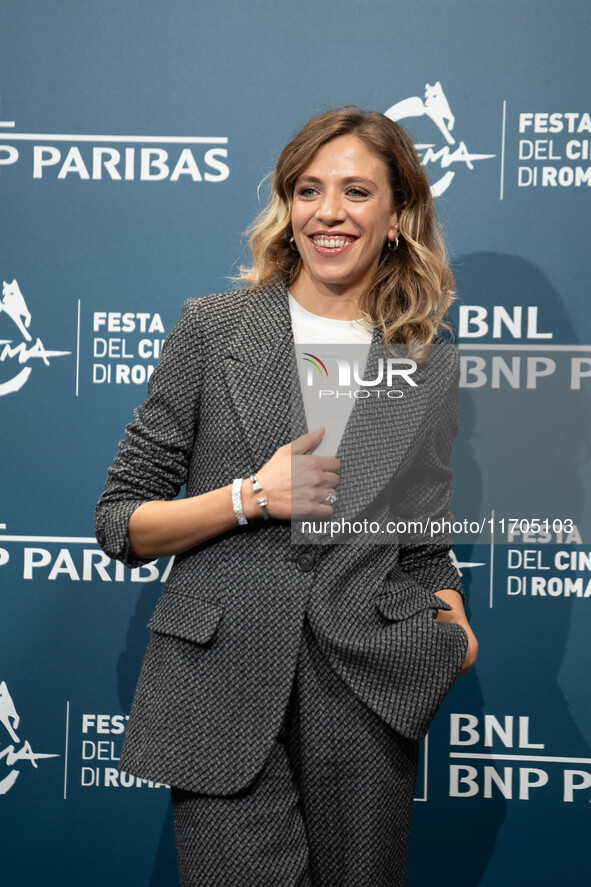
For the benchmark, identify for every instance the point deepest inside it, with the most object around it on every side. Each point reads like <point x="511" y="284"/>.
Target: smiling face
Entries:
<point x="341" y="217"/>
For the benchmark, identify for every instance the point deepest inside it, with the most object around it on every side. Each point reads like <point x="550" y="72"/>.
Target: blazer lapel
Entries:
<point x="380" y="434"/>
<point x="262" y="375"/>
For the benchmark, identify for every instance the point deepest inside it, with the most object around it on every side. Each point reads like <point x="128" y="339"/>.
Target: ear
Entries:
<point x="394" y="229"/>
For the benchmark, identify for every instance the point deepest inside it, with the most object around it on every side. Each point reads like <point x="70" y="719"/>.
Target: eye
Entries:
<point x="357" y="193"/>
<point x="306" y="191"/>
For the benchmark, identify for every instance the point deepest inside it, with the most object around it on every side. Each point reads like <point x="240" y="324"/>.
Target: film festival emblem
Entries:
<point x="19" y="352"/>
<point x="16" y="752"/>
<point x="435" y="108"/>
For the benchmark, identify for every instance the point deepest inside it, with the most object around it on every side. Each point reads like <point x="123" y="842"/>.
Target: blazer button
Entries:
<point x="305" y="562"/>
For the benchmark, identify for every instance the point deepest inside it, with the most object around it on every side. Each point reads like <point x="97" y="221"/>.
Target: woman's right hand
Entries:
<point x="295" y="481"/>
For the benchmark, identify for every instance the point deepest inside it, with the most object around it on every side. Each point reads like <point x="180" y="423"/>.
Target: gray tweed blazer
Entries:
<point x="221" y="660"/>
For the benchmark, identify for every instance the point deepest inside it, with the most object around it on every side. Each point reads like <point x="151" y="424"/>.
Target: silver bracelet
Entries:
<point x="237" y="501"/>
<point x="262" y="503"/>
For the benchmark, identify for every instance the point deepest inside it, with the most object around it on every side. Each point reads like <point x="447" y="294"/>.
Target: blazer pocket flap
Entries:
<point x="187" y="617"/>
<point x="407" y="599"/>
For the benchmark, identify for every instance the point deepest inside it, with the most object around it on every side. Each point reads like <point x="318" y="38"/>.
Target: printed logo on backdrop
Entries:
<point x="436" y="155"/>
<point x="543" y="572"/>
<point x="127" y="347"/>
<point x="541" y="559"/>
<point x="125" y="358"/>
<point x="462" y="566"/>
<point x="554" y="149"/>
<point x="19" y="353"/>
<point x="494" y="756"/>
<point x="124" y="158"/>
<point x="17" y="752"/>
<point x="48" y="559"/>
<point x="102" y="737"/>
<point x="527" y="357"/>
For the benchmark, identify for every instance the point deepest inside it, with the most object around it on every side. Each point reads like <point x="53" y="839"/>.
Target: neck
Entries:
<point x="324" y="301"/>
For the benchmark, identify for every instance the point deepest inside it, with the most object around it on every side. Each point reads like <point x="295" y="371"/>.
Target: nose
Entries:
<point x="330" y="207"/>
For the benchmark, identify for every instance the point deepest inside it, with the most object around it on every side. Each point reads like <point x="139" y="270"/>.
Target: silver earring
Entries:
<point x="292" y="243"/>
<point x="393" y="248"/>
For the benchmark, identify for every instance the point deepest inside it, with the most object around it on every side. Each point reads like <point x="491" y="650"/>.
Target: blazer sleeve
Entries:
<point x="426" y="556"/>
<point x="153" y="460"/>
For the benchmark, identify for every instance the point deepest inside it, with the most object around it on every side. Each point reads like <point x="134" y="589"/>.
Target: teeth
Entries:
<point x="331" y="242"/>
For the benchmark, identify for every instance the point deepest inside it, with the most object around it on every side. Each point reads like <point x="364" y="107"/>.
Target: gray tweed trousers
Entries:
<point x="331" y="807"/>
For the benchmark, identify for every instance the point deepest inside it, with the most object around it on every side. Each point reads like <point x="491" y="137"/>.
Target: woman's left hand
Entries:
<point x="458" y="614"/>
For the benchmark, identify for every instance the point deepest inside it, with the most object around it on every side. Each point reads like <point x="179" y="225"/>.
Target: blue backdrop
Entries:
<point x="132" y="140"/>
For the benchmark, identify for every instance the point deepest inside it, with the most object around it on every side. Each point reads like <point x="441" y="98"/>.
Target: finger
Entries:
<point x="313" y="510"/>
<point x="307" y="441"/>
<point x="327" y="463"/>
<point x="304" y="475"/>
<point x="315" y="465"/>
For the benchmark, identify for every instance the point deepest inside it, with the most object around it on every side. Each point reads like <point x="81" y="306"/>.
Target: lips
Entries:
<point x="331" y="243"/>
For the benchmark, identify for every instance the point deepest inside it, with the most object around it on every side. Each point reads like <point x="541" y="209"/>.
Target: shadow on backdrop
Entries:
<point x="523" y="451"/>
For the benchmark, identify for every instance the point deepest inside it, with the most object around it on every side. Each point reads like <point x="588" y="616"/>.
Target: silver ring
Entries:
<point x="331" y="497"/>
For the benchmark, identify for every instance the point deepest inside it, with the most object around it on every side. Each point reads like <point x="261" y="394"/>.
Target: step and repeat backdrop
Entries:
<point x="133" y="137"/>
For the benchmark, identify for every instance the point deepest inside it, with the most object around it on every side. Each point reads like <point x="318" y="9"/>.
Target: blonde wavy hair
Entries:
<point x="413" y="286"/>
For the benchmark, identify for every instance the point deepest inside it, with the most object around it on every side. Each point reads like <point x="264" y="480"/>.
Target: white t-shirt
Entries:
<point x="325" y="349"/>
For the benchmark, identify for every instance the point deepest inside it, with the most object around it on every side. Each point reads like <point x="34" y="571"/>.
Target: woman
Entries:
<point x="287" y="681"/>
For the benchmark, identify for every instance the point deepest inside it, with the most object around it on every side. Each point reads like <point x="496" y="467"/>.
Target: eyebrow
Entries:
<point x="346" y="181"/>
